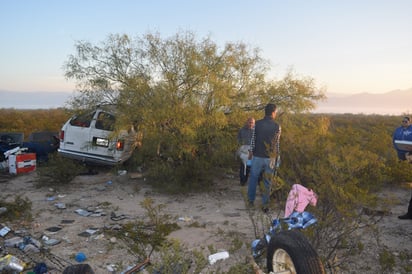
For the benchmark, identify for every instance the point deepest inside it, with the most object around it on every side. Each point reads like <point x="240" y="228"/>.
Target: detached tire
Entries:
<point x="290" y="252"/>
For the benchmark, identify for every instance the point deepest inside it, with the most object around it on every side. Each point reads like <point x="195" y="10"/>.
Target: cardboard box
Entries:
<point x="22" y="163"/>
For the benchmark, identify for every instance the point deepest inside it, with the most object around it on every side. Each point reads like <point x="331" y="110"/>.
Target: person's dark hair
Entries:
<point x="407" y="118"/>
<point x="269" y="109"/>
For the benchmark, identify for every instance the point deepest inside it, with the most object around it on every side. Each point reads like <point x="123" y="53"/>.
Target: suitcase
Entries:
<point x="22" y="163"/>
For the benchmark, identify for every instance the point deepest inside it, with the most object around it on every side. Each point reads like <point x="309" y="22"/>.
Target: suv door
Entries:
<point x="77" y="135"/>
<point x="101" y="128"/>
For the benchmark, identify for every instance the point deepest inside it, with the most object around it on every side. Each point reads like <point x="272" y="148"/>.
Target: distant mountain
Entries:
<point x="33" y="100"/>
<point x="396" y="102"/>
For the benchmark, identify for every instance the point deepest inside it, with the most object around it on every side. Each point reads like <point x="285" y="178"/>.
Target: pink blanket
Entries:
<point x="299" y="197"/>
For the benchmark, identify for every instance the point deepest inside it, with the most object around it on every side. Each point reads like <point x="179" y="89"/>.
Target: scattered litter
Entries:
<point x="11" y="263"/>
<point x="234" y="214"/>
<point x="136" y="175"/>
<point x="218" y="256"/>
<point x="109" y="182"/>
<point x="113" y="227"/>
<point x="51" y="198"/>
<point x="111" y="268"/>
<point x="60" y="205"/>
<point x="30" y="248"/>
<point x="122" y="172"/>
<point x="66" y="239"/>
<point x="184" y="219"/>
<point x="13" y="242"/>
<point x="99" y="237"/>
<point x="83" y="212"/>
<point x="115" y="217"/>
<point x="53" y="229"/>
<point x="4" y="231"/>
<point x="136" y="268"/>
<point x="83" y="234"/>
<point x="78" y="268"/>
<point x="101" y="188"/>
<point x="61" y="196"/>
<point x="80" y="257"/>
<point x="97" y="213"/>
<point x="88" y="232"/>
<point x="3" y="210"/>
<point x="50" y="242"/>
<point x="67" y="221"/>
<point x="40" y="268"/>
<point x="91" y="231"/>
<point x="21" y="232"/>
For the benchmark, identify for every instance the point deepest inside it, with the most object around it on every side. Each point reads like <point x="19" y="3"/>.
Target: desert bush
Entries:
<point x="58" y="171"/>
<point x="150" y="233"/>
<point x="28" y="121"/>
<point x="346" y="159"/>
<point x="17" y="210"/>
<point x="386" y="260"/>
<point x="185" y="96"/>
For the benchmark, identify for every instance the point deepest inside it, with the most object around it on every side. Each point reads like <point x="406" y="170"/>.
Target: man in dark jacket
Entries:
<point x="264" y="152"/>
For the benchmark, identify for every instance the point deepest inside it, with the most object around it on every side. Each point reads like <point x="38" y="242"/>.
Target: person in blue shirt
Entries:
<point x="404" y="133"/>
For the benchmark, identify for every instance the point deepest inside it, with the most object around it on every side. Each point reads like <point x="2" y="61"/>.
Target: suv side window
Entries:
<point x="83" y="120"/>
<point x="105" y="121"/>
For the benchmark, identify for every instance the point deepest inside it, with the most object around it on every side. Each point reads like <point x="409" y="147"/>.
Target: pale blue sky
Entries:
<point x="347" y="46"/>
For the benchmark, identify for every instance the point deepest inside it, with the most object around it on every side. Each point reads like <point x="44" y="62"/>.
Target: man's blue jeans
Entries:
<point x="258" y="165"/>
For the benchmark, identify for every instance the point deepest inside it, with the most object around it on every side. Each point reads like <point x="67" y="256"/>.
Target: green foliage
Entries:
<point x="386" y="260"/>
<point x="28" y="121"/>
<point x="200" y="261"/>
<point x="17" y="210"/>
<point x="346" y="159"/>
<point x="149" y="233"/>
<point x="58" y="171"/>
<point x="187" y="98"/>
<point x="245" y="268"/>
<point x="173" y="259"/>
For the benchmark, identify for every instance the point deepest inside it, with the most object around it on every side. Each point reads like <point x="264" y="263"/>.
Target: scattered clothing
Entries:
<point x="299" y="197"/>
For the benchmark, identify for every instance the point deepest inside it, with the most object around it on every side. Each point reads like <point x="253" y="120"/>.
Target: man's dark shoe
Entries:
<point x="405" y="217"/>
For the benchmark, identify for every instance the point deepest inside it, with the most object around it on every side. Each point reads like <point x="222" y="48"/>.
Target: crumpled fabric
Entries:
<point x="298" y="199"/>
<point x="243" y="153"/>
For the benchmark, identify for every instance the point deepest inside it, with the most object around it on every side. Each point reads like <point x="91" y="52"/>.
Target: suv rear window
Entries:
<point x="83" y="120"/>
<point x="105" y="121"/>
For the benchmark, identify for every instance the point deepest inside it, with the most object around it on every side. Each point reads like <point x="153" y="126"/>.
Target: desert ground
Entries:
<point x="78" y="216"/>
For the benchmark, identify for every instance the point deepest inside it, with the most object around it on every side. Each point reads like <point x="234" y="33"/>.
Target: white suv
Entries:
<point x="90" y="138"/>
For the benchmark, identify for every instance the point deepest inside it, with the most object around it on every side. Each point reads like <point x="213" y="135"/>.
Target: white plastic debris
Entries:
<point x="218" y="256"/>
<point x="4" y="231"/>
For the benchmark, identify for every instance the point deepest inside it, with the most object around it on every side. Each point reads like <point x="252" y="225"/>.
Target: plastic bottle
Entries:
<point x="13" y="242"/>
<point x="10" y="262"/>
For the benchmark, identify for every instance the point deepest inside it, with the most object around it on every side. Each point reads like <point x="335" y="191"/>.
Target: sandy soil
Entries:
<point x="216" y="215"/>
